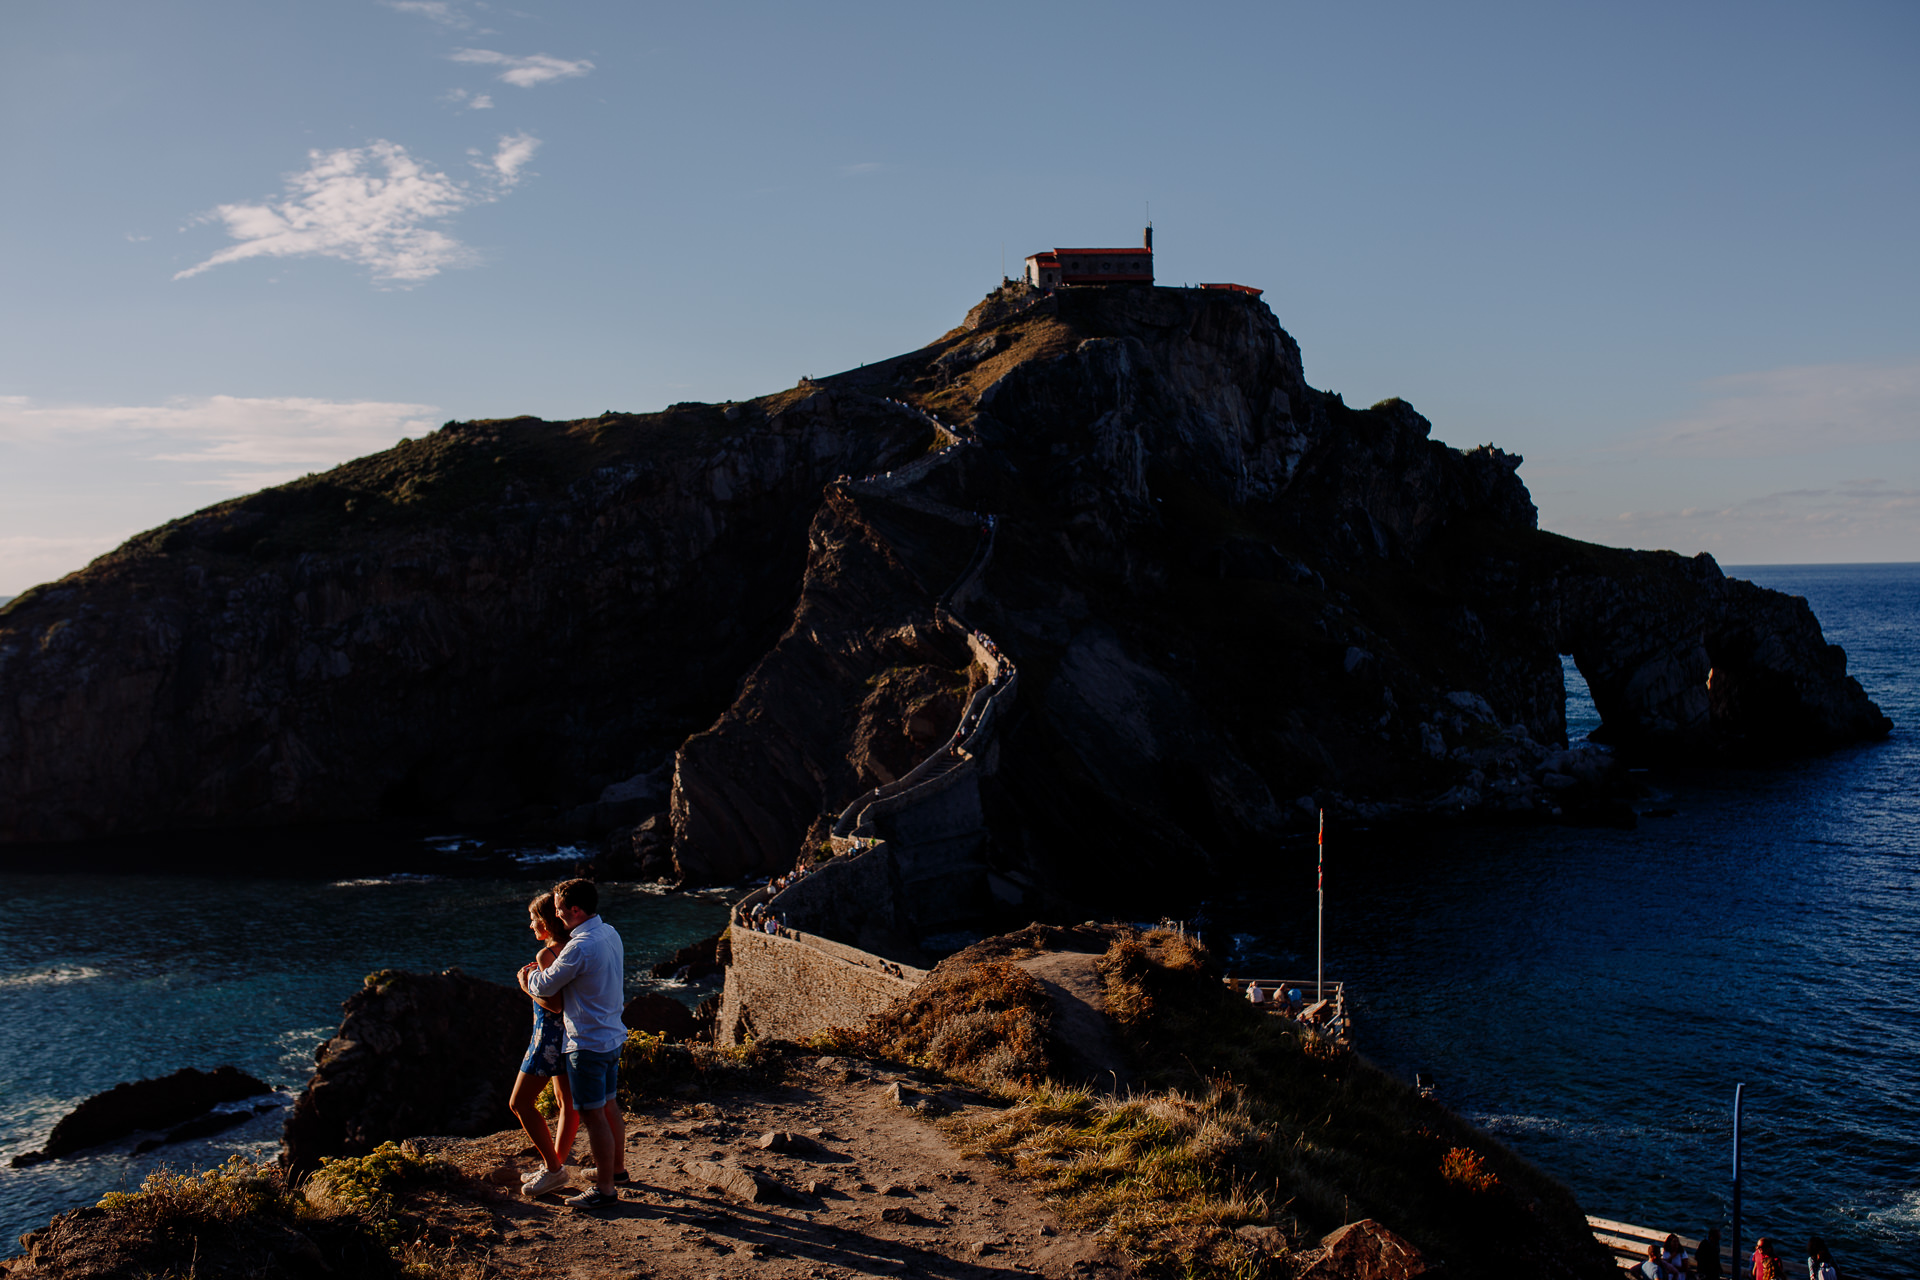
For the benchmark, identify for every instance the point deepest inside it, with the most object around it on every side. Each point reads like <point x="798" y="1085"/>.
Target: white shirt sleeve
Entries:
<point x="564" y="969"/>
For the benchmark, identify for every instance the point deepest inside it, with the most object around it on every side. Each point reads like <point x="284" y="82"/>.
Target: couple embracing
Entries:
<point x="576" y="984"/>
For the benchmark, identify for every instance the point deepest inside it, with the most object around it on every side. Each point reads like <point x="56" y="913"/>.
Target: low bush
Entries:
<point x="653" y="1067"/>
<point x="369" y="1186"/>
<point x="989" y="1025"/>
<point x="239" y="1218"/>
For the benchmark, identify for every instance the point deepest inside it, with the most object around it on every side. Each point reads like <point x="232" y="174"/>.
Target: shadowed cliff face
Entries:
<point x="1232" y="599"/>
<point x="504" y="617"/>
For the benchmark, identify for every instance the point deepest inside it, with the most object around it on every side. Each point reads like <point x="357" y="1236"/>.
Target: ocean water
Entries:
<point x="1593" y="996"/>
<point x="112" y="977"/>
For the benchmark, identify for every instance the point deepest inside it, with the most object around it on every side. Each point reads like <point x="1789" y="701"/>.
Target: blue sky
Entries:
<point x="1665" y="251"/>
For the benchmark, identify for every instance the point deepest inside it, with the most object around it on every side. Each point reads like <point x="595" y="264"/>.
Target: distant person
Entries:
<point x="1820" y="1262"/>
<point x="1257" y="995"/>
<point x="1706" y="1260"/>
<point x="591" y="970"/>
<point x="546" y="1059"/>
<point x="1766" y="1263"/>
<point x="1294" y="1000"/>
<point x="1649" y="1267"/>
<point x="1675" y="1258"/>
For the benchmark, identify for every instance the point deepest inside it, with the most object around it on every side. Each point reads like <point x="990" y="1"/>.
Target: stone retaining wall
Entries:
<point x="793" y="987"/>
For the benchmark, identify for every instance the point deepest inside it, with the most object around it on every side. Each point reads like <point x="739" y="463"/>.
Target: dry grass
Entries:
<point x="239" y="1218"/>
<point x="1169" y="1174"/>
<point x="367" y="1216"/>
<point x="1246" y="1120"/>
<point x="989" y="1025"/>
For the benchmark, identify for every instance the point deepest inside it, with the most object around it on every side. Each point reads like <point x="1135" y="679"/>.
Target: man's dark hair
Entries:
<point x="584" y="894"/>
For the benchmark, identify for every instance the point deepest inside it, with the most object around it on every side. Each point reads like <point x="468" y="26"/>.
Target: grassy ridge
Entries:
<point x="1243" y="1121"/>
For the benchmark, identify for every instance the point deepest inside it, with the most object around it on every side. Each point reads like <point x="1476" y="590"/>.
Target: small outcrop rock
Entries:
<point x="162" y="1103"/>
<point x="741" y="1184"/>
<point x="786" y="1142"/>
<point x="1362" y="1250"/>
<point x="696" y="960"/>
<point x="416" y="1053"/>
<point x="661" y="1016"/>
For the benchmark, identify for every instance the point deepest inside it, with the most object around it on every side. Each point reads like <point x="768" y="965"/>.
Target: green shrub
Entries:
<point x="652" y="1067"/>
<point x="225" y="1193"/>
<point x="368" y="1186"/>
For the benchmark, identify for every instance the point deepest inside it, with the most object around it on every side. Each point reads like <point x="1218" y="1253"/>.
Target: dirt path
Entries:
<point x="876" y="1190"/>
<point x="1079" y="1015"/>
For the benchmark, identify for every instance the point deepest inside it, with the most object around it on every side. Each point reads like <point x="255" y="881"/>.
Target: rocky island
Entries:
<point x="1231" y="599"/>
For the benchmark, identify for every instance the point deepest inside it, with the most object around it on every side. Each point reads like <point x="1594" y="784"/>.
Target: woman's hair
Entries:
<point x="1817" y="1250"/>
<point x="542" y="907"/>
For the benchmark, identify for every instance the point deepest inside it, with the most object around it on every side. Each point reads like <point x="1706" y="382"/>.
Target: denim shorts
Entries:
<point x="593" y="1077"/>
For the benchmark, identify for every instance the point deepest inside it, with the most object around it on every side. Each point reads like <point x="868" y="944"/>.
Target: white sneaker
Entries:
<point x="549" y="1180"/>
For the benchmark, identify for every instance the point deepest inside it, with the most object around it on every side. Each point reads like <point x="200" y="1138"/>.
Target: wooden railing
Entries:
<point x="1629" y="1243"/>
<point x="1326" y="1015"/>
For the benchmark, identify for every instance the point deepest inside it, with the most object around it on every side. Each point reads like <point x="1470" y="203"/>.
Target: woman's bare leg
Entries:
<point x="524" y="1103"/>
<point x="569" y="1118"/>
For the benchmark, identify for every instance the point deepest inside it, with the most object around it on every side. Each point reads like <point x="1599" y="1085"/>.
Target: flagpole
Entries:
<point x="1738" y="1089"/>
<point x="1320" y="927"/>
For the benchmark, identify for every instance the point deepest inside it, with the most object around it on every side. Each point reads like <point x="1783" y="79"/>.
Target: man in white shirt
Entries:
<point x="591" y="971"/>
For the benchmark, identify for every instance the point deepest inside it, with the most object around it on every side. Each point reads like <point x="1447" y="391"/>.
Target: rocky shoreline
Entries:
<point x="876" y="1150"/>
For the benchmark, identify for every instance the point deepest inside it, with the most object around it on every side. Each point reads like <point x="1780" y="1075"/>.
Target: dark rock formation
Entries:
<point x="503" y="618"/>
<point x="1232" y="600"/>
<point x="702" y="959"/>
<point x="146" y="1104"/>
<point x="660" y="1015"/>
<point x="415" y="1054"/>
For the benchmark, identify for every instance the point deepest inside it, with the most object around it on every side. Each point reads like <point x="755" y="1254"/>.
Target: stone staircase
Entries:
<point x="908" y="857"/>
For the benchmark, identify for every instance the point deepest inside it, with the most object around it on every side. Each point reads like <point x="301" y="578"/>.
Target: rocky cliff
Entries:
<point x="1232" y="599"/>
<point x="503" y="618"/>
<point x="416" y="1053"/>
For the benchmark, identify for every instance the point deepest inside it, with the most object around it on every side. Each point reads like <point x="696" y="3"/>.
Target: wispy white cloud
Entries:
<point x="471" y="101"/>
<point x="369" y="205"/>
<point x="1782" y="413"/>
<point x="861" y="169"/>
<point x="524" y="72"/>
<point x="509" y="158"/>
<point x="232" y="443"/>
<point x="440" y="11"/>
<point x="1853" y="519"/>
